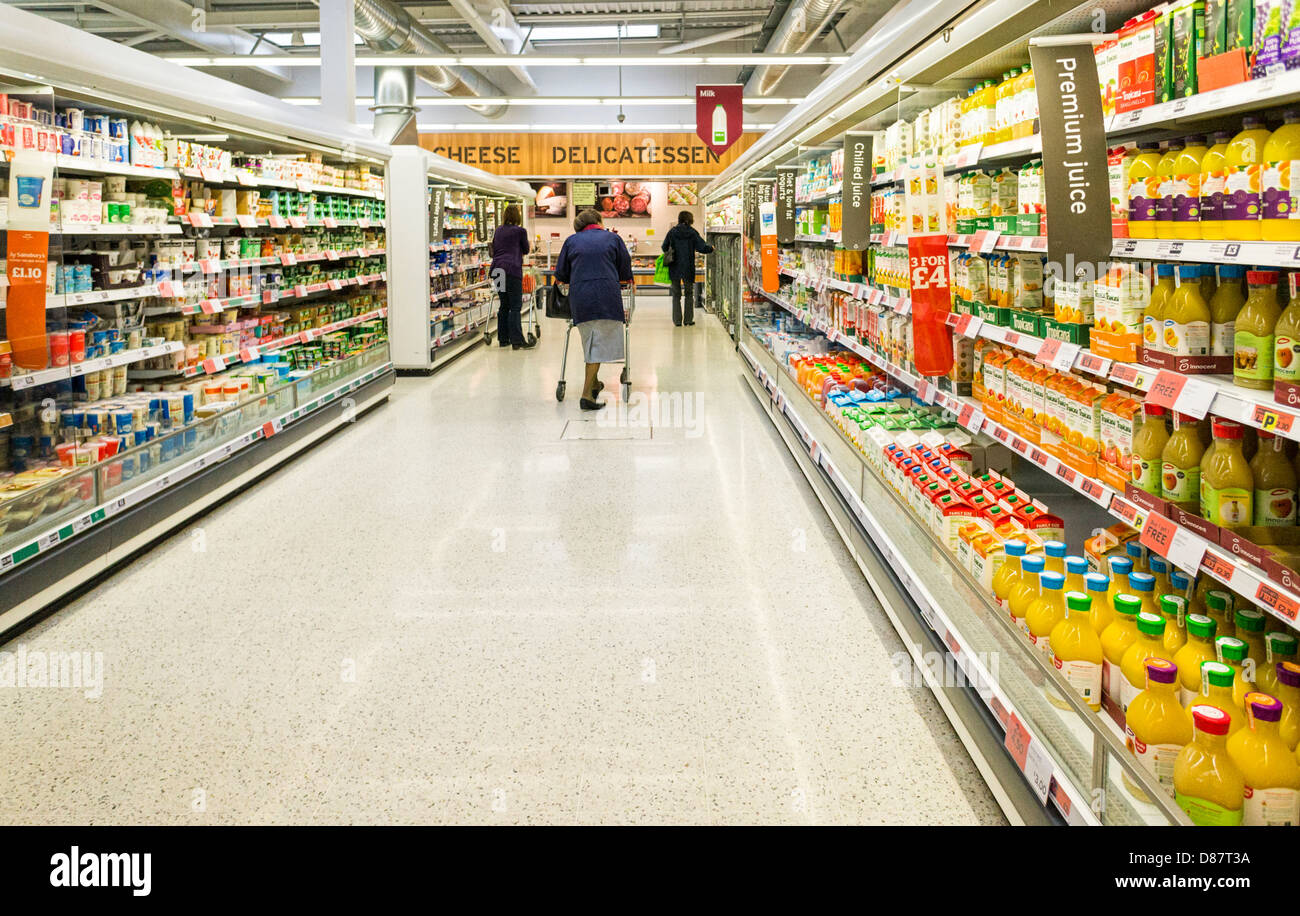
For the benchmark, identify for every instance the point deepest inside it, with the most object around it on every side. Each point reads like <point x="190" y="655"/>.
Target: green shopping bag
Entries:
<point x="661" y="272"/>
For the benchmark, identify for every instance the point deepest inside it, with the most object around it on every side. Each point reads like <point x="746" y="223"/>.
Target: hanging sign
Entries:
<point x="480" y="219"/>
<point x="27" y="251"/>
<point x="719" y="116"/>
<point x="1075" y="175"/>
<point x="927" y="257"/>
<point x="785" y="203"/>
<point x="767" y="237"/>
<point x="856" y="218"/>
<point x="437" y="200"/>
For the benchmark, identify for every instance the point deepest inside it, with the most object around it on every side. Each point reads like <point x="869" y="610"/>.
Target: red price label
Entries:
<point x="1093" y="489"/>
<point x="1094" y="364"/>
<point x="1021" y="446"/>
<point x="288" y="259"/>
<point x="246" y="221"/>
<point x="1066" y="473"/>
<point x="1158" y="534"/>
<point x="1018" y="740"/>
<point x="1218" y="566"/>
<point x="1125" y="510"/>
<point x="209" y="306"/>
<point x="1038" y="457"/>
<point x="1166" y="388"/>
<point x="1001" y="434"/>
<point x="1011" y="338"/>
<point x="1047" y="352"/>
<point x="1276" y="601"/>
<point x="1125" y="374"/>
<point x="1272" y="421"/>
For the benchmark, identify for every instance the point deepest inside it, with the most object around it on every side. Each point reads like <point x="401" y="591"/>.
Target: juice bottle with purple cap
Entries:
<point x="1270" y="770"/>
<point x="1156" y="728"/>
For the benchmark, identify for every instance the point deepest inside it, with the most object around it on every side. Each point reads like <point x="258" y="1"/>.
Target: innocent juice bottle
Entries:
<point x="1075" y="569"/>
<point x="1047" y="611"/>
<point x="1286" y="342"/>
<point x="1148" y="447"/>
<point x="1250" y="630"/>
<point x="1278" y="647"/>
<point x="1218" y="607"/>
<point x="1187" y="188"/>
<point x="1254" y="332"/>
<point x="1156" y="727"/>
<point x="1216" y="690"/>
<point x="1213" y="174"/>
<point x="1026" y="592"/>
<point x="1288" y="691"/>
<point x="1076" y="648"/>
<point x="1008" y="574"/>
<point x="1270" y="769"/>
<point x="1232" y="652"/>
<point x="1115" y="640"/>
<point x="1153" y="316"/>
<point x="1054" y="556"/>
<point x="1227" y="301"/>
<point x="1120" y="569"/>
<point x="1097" y="587"/>
<point x="1278" y="221"/>
<point x="1150" y="643"/>
<point x="1165" y="179"/>
<point x="1241" y="197"/>
<point x="1228" y="486"/>
<point x="1180" y="465"/>
<point x="1143" y="587"/>
<point x="1174" y="610"/>
<point x="1187" y="315"/>
<point x="1207" y="784"/>
<point x="1199" y="648"/>
<point x="1275" y="485"/>
<point x="1159" y="567"/>
<point x="1143" y="191"/>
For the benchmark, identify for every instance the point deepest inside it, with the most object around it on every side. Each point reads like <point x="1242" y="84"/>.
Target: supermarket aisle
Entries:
<point x="453" y="613"/>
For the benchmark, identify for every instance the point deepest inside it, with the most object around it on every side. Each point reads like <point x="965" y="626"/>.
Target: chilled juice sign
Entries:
<point x="927" y="257"/>
<point x="718" y="115"/>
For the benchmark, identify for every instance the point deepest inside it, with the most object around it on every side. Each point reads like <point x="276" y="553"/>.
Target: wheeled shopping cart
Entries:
<point x="629" y="305"/>
<point x="527" y="313"/>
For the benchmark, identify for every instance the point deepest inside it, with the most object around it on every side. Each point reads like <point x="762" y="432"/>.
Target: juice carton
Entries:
<point x="1137" y="62"/>
<point x="1271" y="18"/>
<point x="1107" y="54"/>
<point x="1118" y="161"/>
<point x="1187" y="33"/>
<point x="1163" y="56"/>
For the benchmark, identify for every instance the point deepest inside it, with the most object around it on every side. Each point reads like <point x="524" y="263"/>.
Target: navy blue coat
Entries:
<point x="685" y="241"/>
<point x="593" y="262"/>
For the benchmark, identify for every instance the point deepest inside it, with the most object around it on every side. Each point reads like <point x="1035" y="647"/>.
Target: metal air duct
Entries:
<point x="801" y="25"/>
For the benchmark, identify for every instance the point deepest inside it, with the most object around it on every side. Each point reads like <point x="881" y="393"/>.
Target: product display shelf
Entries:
<point x="268" y="296"/>
<point x="1055" y="748"/>
<point x="62" y="373"/>
<point x="456" y="293"/>
<point x="723" y="230"/>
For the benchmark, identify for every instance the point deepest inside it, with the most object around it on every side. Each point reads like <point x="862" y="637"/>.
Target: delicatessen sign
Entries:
<point x="594" y="154"/>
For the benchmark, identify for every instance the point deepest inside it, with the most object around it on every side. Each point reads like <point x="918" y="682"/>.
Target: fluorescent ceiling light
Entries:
<point x="516" y="60"/>
<point x="443" y="101"/>
<point x="592" y="32"/>
<point x="305" y="39"/>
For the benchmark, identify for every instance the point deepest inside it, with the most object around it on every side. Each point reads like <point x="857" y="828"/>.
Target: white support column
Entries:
<point x="338" y="72"/>
<point x="408" y="258"/>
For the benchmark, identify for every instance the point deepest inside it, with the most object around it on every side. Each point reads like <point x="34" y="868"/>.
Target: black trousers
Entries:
<point x="688" y="287"/>
<point x="510" y="328"/>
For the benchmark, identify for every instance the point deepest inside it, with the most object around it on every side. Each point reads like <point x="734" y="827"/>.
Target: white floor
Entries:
<point x="455" y="611"/>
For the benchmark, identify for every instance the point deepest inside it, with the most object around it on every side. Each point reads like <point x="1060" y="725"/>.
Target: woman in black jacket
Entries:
<point x="684" y="241"/>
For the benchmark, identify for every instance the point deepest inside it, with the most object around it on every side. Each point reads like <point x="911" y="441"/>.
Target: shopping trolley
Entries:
<point x="527" y="311"/>
<point x="629" y="305"/>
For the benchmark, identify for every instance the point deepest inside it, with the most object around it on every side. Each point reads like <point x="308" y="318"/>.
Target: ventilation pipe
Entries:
<point x="802" y="23"/>
<point x="394" y="106"/>
<point x="386" y="27"/>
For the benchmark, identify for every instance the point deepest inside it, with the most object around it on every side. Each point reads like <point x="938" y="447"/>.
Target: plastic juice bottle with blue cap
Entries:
<point x="1278" y="209"/>
<point x="1075" y="570"/>
<point x="1174" y="610"/>
<point x="1156" y="727"/>
<point x="1242" y="197"/>
<point x="1227" y="301"/>
<point x="1232" y="652"/>
<point x="1150" y="643"/>
<point x="1115" y="641"/>
<point x="1270" y="769"/>
<point x="1143" y="585"/>
<point x="1026" y="592"/>
<point x="1097" y="587"/>
<point x="1159" y="568"/>
<point x="1076" y="648"/>
<point x="1139" y="555"/>
<point x="1217" y="680"/>
<point x="1054" y="556"/>
<point x="1208" y="785"/>
<point x="1250" y="630"/>
<point x="1047" y="611"/>
<point x="1199" y="648"/>
<point x="1009" y="573"/>
<point x="1279" y="646"/>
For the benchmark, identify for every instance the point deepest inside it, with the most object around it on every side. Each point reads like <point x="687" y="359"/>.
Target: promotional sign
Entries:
<point x="767" y="237"/>
<point x="634" y="153"/>
<point x="927" y="263"/>
<point x="437" y="199"/>
<point x="584" y="195"/>
<point x="27" y="253"/>
<point x="856" y="215"/>
<point x="785" y="203"/>
<point x="551" y="198"/>
<point x="480" y="219"/>
<point x="719" y="115"/>
<point x="1075" y="175"/>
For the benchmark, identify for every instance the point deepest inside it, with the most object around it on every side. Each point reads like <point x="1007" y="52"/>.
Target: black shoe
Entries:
<point x="677" y="324"/>
<point x="586" y="404"/>
<point x="691" y="323"/>
<point x="525" y="346"/>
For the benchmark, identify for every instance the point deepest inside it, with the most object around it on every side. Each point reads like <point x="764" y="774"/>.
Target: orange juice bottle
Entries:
<point x="1270" y="769"/>
<point x="1187" y="188"/>
<point x="1213" y="175"/>
<point x="1143" y="191"/>
<point x="1076" y="648"/>
<point x="1120" y="569"/>
<point x="1278" y="208"/>
<point x="1207" y="784"/>
<point x="1232" y="652"/>
<point x="1047" y="611"/>
<point x="1150" y="643"/>
<point x="1156" y="727"/>
<point x="1199" y="648"/>
<point x="1180" y="465"/>
<point x="1279" y="646"/>
<point x="1026" y="592"/>
<point x="1216" y="690"/>
<point x="1174" y="610"/>
<point x="1250" y="630"/>
<point x="1054" y="556"/>
<point x="1143" y="585"/>
<point x="1097" y="587"/>
<point x="1115" y="641"/>
<point x="1159" y="567"/>
<point x="1241" y="194"/>
<point x="1009" y="573"/>
<point x="1165" y="202"/>
<point x="1218" y="607"/>
<point x="1148" y="450"/>
<point x="1153" y="316"/>
<point x="1288" y="691"/>
<point x="1075" y="569"/>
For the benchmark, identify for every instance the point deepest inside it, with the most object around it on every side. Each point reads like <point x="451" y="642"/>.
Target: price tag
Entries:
<point x="246" y="221"/>
<point x="200" y="220"/>
<point x="210" y="306"/>
<point x="330" y="222"/>
<point x="335" y="285"/>
<point x="288" y="259"/>
<point x="1095" y="491"/>
<point x="925" y="391"/>
<point x="1066" y="473"/>
<point x="269" y="296"/>
<point x="971" y="418"/>
<point x="969" y="325"/>
<point x="213" y="365"/>
<point x="277" y="222"/>
<point x="363" y="222"/>
<point x="967" y="156"/>
<point x="1001" y="433"/>
<point x="209" y="266"/>
<point x="815" y="451"/>
<point x="167" y="290"/>
<point x="300" y="290"/>
<point x="331" y="254"/>
<point x="297" y="222"/>
<point x="1094" y="364"/>
<point x="1017" y="741"/>
<point x="1276" y="601"/>
<point x="1179" y="392"/>
<point x="303" y="185"/>
<point x="984" y="241"/>
<point x="1272" y="421"/>
<point x="245" y="177"/>
<point x="1011" y="338"/>
<point x="1038" y="771"/>
<point x="1047" y="351"/>
<point x="1125" y="510"/>
<point x="248" y="355"/>
<point x="903" y="305"/>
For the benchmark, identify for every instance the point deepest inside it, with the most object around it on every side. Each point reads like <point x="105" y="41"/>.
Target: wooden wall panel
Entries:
<point x="599" y="155"/>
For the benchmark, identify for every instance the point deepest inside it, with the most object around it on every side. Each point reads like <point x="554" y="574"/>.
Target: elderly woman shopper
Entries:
<point x="593" y="263"/>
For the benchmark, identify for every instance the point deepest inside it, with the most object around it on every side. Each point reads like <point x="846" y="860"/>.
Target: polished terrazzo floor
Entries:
<point x="472" y="607"/>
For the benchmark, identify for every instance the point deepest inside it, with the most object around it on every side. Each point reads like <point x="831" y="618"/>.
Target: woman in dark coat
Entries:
<point x="509" y="245"/>
<point x="593" y="263"/>
<point x="684" y="242"/>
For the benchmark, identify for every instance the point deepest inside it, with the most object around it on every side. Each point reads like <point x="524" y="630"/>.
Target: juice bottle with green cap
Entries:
<point x="1174" y="610"/>
<point x="1148" y="448"/>
<point x="1115" y="641"/>
<point x="1250" y="626"/>
<point x="1097" y="587"/>
<point x="1026" y="592"/>
<point x="1165" y="186"/>
<point x="1187" y="188"/>
<point x="1213" y="176"/>
<point x="1288" y="691"/>
<point x="1241" y="193"/>
<point x="1279" y="646"/>
<point x="1153" y="316"/>
<point x="1180" y="465"/>
<point x="1218" y="607"/>
<point x="1254" y="332"/>
<point x="1278" y="209"/>
<point x="1275" y="482"/>
<point x="1228" y="299"/>
<point x="1231" y="651"/>
<point x="1054" y="556"/>
<point x="1227" y="484"/>
<point x="1207" y="784"/>
<point x="1047" y="611"/>
<point x="1270" y="769"/>
<point x="1143" y="191"/>
<point x="1187" y="315"/>
<point x="1075" y="569"/>
<point x="1076" y="648"/>
<point x="1216" y="690"/>
<point x="1199" y="648"/>
<point x="1150" y="643"/>
<point x="1008" y="574"/>
<point x="1156" y="726"/>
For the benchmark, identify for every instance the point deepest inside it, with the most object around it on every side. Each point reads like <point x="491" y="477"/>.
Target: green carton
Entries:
<point x="1027" y="323"/>
<point x="1066" y="331"/>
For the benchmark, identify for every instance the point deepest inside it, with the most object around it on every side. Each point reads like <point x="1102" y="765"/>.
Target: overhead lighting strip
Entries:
<point x="518" y="60"/>
<point x="441" y="101"/>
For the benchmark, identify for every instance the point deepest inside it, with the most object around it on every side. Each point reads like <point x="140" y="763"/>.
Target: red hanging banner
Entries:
<point x="719" y="117"/>
<point x="26" y="253"/>
<point x="931" y="301"/>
